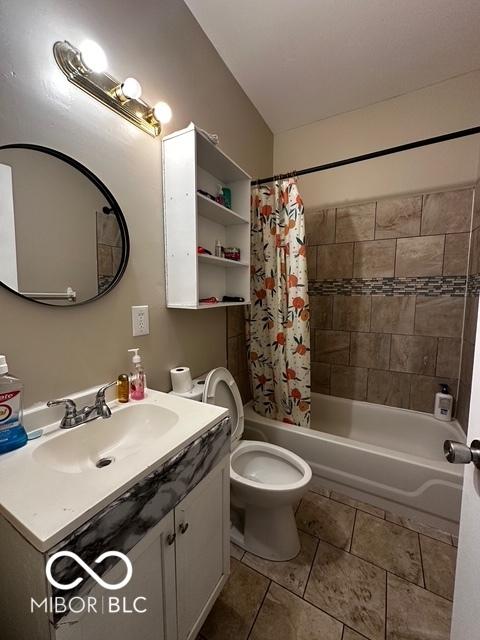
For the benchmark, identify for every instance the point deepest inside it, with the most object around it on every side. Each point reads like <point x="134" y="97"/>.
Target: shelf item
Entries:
<point x="192" y="162"/>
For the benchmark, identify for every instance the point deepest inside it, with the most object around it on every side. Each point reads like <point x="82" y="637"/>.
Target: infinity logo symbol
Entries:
<point x="91" y="573"/>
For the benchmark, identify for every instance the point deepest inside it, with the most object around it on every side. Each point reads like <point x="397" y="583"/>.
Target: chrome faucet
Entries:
<point x="74" y="417"/>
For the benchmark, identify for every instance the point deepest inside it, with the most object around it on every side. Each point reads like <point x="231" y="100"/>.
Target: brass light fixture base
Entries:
<point x="104" y="88"/>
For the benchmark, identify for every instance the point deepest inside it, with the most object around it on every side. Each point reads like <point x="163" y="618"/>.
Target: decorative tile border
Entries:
<point x="423" y="286"/>
<point x="473" y="287"/>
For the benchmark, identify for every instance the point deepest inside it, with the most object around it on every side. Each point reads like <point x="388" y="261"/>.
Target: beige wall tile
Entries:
<point x="108" y="230"/>
<point x="235" y="321"/>
<point x="462" y="407"/>
<point x="320" y="377"/>
<point x="312" y="262"/>
<point x="332" y="346"/>
<point x="233" y="355"/>
<point x="439" y="316"/>
<point x="355" y="222"/>
<point x="398" y="217"/>
<point x="104" y="260"/>
<point x="476" y="206"/>
<point x="334" y="261"/>
<point x="456" y="254"/>
<point x="447" y="212"/>
<point x="349" y="382"/>
<point x="242" y="352"/>
<point x="374" y="259"/>
<point x="370" y="350"/>
<point x="422" y="256"/>
<point x="448" y="357"/>
<point x="393" y="314"/>
<point x="474" y="264"/>
<point x="466" y="368"/>
<point x="351" y="313"/>
<point x="471" y="314"/>
<point x="320" y="226"/>
<point x="423" y="390"/>
<point x="243" y="381"/>
<point x="116" y="259"/>
<point x="389" y="387"/>
<point x="414" y="354"/>
<point x="321" y="312"/>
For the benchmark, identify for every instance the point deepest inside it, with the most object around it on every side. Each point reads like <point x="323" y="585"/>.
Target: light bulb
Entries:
<point x="131" y="89"/>
<point x="93" y="56"/>
<point x="162" y="112"/>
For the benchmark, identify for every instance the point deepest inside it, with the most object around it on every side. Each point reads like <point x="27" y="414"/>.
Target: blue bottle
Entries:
<point x="12" y="433"/>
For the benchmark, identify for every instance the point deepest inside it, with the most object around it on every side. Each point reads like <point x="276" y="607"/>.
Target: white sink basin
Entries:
<point x="53" y="485"/>
<point x="100" y="443"/>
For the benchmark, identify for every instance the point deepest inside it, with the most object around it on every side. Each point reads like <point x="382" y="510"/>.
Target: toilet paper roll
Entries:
<point x="181" y="379"/>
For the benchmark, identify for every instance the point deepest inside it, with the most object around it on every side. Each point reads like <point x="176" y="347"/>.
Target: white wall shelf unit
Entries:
<point x="191" y="162"/>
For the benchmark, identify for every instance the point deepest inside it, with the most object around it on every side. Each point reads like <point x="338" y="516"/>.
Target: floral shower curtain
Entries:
<point x="278" y="326"/>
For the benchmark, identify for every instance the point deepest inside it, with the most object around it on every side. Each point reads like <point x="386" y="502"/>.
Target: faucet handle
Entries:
<point x="70" y="417"/>
<point x="102" y="407"/>
<point x="102" y="390"/>
<point x="70" y="406"/>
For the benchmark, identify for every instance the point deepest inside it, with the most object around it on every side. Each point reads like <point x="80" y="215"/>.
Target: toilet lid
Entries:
<point x="222" y="391"/>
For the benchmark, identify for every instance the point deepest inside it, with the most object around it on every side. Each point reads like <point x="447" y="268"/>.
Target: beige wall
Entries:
<point x="60" y="350"/>
<point x="439" y="109"/>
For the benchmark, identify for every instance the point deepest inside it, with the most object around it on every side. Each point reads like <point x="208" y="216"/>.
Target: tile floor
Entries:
<point x="362" y="573"/>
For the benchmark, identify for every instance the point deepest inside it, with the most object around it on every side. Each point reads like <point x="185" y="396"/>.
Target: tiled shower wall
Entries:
<point x="109" y="249"/>
<point x="387" y="286"/>
<point x="471" y="313"/>
<point x="237" y="350"/>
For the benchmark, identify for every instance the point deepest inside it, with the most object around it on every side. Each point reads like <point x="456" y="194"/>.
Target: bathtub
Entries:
<point x="389" y="457"/>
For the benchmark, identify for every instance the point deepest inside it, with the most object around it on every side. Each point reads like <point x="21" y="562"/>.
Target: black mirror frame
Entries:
<point x="114" y="206"/>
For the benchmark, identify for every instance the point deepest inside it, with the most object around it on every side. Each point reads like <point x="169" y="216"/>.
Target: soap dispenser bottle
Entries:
<point x="12" y="433"/>
<point x="443" y="404"/>
<point x="137" y="377"/>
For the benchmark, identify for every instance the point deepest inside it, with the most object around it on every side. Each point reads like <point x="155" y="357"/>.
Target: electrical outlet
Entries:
<point x="140" y="323"/>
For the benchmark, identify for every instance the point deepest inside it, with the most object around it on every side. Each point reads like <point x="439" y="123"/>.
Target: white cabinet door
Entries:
<point x="153" y="578"/>
<point x="202" y="522"/>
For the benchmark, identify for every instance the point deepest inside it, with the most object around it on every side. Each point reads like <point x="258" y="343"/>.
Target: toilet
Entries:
<point x="266" y="480"/>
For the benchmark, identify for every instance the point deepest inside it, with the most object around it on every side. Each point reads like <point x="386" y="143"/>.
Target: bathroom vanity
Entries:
<point x="163" y="502"/>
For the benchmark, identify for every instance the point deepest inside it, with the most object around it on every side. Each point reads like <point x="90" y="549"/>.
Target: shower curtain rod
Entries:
<point x="374" y="154"/>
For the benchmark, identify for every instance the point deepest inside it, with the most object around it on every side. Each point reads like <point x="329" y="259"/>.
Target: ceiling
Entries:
<point x="304" y="60"/>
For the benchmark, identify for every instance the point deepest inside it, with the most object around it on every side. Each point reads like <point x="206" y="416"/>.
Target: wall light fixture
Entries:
<point x="86" y="68"/>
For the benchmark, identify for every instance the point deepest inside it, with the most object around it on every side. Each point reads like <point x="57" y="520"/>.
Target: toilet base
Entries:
<point x="268" y="533"/>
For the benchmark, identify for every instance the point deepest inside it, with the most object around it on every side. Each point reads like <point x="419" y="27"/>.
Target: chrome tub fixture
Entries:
<point x="86" y="68"/>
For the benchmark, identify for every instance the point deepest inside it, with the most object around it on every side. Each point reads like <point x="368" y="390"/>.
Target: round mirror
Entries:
<point x="63" y="238"/>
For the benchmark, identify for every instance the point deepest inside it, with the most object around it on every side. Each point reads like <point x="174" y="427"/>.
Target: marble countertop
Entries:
<point x="45" y="504"/>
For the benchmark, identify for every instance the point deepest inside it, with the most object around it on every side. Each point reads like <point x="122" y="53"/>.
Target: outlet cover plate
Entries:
<point x="140" y="321"/>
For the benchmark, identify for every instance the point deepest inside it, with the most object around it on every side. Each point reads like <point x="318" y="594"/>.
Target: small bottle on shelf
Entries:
<point x="219" y="251"/>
